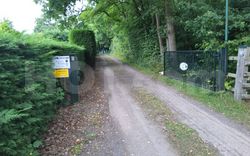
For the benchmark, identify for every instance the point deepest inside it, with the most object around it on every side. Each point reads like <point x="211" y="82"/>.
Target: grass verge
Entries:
<point x="222" y="102"/>
<point x="185" y="139"/>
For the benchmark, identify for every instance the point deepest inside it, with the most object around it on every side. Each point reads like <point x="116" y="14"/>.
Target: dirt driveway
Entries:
<point x="141" y="136"/>
<point x="110" y="121"/>
<point x="145" y="138"/>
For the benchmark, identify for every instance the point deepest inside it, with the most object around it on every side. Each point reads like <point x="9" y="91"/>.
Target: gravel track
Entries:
<point x="228" y="137"/>
<point x="109" y="121"/>
<point x="141" y="136"/>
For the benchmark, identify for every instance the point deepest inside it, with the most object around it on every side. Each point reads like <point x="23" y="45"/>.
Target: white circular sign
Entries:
<point x="183" y="66"/>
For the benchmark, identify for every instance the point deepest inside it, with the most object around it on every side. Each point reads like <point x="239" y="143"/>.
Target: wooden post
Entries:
<point x="242" y="68"/>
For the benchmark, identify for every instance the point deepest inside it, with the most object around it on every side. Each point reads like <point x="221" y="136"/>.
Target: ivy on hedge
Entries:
<point x="28" y="94"/>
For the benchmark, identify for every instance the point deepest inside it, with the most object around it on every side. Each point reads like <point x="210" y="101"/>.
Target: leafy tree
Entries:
<point x="63" y="12"/>
<point x="166" y="24"/>
<point x="50" y="29"/>
<point x="7" y="26"/>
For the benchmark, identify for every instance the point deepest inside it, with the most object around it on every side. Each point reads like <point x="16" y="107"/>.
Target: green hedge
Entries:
<point x="85" y="38"/>
<point x="28" y="94"/>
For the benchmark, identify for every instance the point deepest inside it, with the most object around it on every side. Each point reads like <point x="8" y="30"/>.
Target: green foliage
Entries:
<point x="85" y="38"/>
<point x="100" y="24"/>
<point x="8" y="115"/>
<point x="51" y="29"/>
<point x="203" y="22"/>
<point x="62" y="13"/>
<point x="130" y="26"/>
<point x="55" y="34"/>
<point x="6" y="26"/>
<point x="145" y="50"/>
<point x="28" y="92"/>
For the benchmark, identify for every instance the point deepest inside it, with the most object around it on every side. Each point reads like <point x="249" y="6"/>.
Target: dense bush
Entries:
<point x="139" y="48"/>
<point x="28" y="94"/>
<point x="85" y="38"/>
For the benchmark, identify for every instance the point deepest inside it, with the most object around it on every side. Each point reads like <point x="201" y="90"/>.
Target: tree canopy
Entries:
<point x="142" y="29"/>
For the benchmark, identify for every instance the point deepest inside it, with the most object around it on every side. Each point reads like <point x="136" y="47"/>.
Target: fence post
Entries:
<point x="222" y="69"/>
<point x="164" y="63"/>
<point x="223" y="60"/>
<point x="74" y="82"/>
<point x="243" y="53"/>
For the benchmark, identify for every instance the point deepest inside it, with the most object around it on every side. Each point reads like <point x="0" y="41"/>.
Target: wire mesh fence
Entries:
<point x="205" y="69"/>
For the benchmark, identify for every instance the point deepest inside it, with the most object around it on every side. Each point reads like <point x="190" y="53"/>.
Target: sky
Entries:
<point x="22" y="13"/>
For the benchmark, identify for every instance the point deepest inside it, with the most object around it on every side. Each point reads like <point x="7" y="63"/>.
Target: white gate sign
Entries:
<point x="184" y="66"/>
<point x="61" y="62"/>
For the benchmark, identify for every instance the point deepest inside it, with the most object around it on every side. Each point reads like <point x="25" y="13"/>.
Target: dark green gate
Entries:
<point x="206" y="69"/>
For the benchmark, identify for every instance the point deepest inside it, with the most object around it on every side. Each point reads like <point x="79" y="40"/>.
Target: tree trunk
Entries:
<point x="159" y="34"/>
<point x="170" y="26"/>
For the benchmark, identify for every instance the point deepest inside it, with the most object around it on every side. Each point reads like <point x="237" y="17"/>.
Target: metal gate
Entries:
<point x="206" y="69"/>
